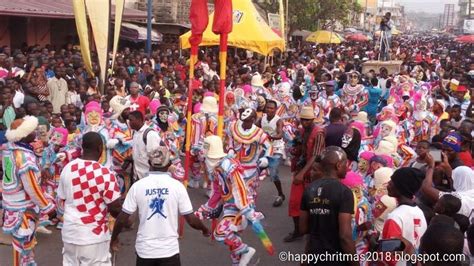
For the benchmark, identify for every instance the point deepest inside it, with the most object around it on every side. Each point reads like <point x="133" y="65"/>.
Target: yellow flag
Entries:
<point x="82" y="32"/>
<point x="282" y="22"/>
<point x="99" y="16"/>
<point x="119" y="4"/>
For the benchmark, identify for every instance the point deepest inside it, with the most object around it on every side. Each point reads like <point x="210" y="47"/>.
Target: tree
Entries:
<point x="314" y="14"/>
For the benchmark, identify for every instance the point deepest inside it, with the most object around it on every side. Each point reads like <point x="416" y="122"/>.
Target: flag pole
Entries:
<point x="223" y="69"/>
<point x="199" y="19"/>
<point x="189" y="112"/>
<point x="222" y="25"/>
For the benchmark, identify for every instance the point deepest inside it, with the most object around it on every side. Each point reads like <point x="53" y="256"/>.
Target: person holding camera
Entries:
<point x="407" y="221"/>
<point x="386" y="26"/>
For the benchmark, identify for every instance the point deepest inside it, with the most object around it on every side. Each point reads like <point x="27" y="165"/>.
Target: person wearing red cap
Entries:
<point x="458" y="98"/>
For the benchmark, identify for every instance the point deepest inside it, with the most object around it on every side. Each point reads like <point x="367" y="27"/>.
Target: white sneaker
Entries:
<point x="43" y="230"/>
<point x="246" y="257"/>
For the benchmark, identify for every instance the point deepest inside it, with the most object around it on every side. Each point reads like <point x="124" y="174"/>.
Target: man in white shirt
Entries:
<point x="159" y="199"/>
<point x="88" y="191"/>
<point x="57" y="87"/>
<point x="143" y="133"/>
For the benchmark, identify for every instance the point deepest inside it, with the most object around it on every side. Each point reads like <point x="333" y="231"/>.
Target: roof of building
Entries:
<point x="62" y="9"/>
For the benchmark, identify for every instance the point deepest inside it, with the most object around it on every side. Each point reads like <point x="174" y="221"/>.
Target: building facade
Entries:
<point x="397" y="11"/>
<point x="466" y="12"/>
<point x="169" y="11"/>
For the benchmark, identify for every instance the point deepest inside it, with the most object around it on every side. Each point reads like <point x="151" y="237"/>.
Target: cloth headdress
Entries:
<point x="21" y="128"/>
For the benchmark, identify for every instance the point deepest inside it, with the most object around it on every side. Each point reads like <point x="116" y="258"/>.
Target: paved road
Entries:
<point x="195" y="249"/>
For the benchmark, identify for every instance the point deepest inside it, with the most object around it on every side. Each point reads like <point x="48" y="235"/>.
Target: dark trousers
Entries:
<point x="170" y="261"/>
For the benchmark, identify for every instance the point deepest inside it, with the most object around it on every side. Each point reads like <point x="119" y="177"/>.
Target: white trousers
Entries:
<point x="90" y="255"/>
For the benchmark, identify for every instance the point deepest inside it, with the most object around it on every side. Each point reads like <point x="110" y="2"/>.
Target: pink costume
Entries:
<point x="203" y="124"/>
<point x="55" y="157"/>
<point x="230" y="188"/>
<point x="362" y="212"/>
<point x="154" y="104"/>
<point x="366" y="141"/>
<point x="94" y="114"/>
<point x="422" y="121"/>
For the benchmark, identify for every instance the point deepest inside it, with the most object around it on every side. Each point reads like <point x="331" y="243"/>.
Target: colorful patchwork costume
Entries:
<point x="23" y="199"/>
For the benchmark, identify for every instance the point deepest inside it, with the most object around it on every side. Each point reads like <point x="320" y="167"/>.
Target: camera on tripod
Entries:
<point x="384" y="24"/>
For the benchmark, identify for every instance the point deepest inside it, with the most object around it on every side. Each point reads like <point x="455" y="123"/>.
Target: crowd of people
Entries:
<point x="374" y="156"/>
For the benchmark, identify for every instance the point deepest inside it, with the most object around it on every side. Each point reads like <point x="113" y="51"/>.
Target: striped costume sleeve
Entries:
<point x="267" y="145"/>
<point x="211" y="127"/>
<point x="30" y="184"/>
<point x="196" y="131"/>
<point x="239" y="190"/>
<point x="364" y="100"/>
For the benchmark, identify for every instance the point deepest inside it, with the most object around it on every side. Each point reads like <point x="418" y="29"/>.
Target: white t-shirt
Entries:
<point x="87" y="187"/>
<point x="406" y="221"/>
<point x="140" y="151"/>
<point x="160" y="199"/>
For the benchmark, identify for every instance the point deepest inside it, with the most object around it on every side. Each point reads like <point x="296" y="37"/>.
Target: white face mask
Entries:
<point x="211" y="164"/>
<point x="246" y="114"/>
<point x="163" y="116"/>
<point x="386" y="130"/>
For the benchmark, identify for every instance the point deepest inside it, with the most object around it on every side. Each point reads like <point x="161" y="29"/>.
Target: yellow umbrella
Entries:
<point x="324" y="36"/>
<point x="249" y="31"/>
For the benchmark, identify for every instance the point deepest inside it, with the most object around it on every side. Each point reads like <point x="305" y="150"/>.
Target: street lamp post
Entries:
<point x="148" y="28"/>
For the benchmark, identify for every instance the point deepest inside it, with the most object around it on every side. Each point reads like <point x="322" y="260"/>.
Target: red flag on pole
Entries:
<point x="199" y="19"/>
<point x="222" y="25"/>
<point x="222" y="17"/>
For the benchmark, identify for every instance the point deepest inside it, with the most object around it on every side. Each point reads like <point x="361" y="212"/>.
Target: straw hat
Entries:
<point x="209" y="105"/>
<point x="362" y="117"/>
<point x="307" y="112"/>
<point x="214" y="147"/>
<point x="21" y="128"/>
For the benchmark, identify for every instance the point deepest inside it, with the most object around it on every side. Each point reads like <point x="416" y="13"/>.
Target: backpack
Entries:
<point x="145" y="134"/>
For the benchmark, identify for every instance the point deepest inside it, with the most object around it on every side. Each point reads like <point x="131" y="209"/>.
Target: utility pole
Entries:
<point x="470" y="4"/>
<point x="148" y="28"/>
<point x="365" y="15"/>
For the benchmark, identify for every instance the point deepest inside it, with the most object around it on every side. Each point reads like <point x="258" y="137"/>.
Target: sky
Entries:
<point x="430" y="6"/>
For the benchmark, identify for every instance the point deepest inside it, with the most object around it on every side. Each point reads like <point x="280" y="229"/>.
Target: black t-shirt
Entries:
<point x="324" y="199"/>
<point x="334" y="133"/>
